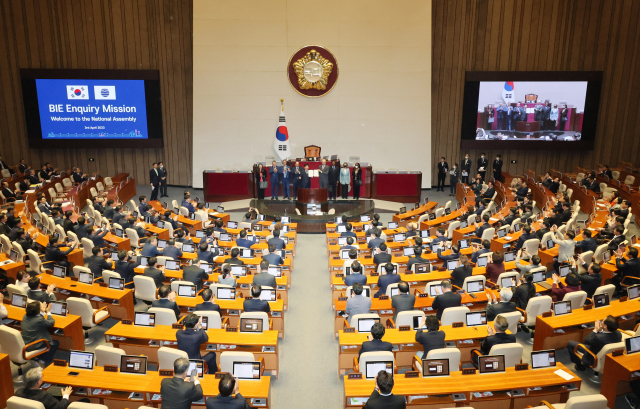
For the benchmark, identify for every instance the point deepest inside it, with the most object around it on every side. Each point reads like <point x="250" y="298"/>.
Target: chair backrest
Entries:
<point x="81" y="307"/>
<point x="184" y="211"/>
<point x="513" y="318"/>
<point x="99" y="186"/>
<point x="107" y="182"/>
<point x="586" y="402"/>
<point x="373" y="357"/>
<point x="454" y="314"/>
<point x="512" y="353"/>
<point x="167" y="356"/>
<point x="94" y="192"/>
<point x="427" y="288"/>
<point x="15" y="289"/>
<point x="6" y="244"/>
<point x="606" y="289"/>
<point x="79" y="269"/>
<point x="452" y="227"/>
<point x="213" y="318"/>
<point x="164" y="316"/>
<point x="577" y="299"/>
<point x="18" y="248"/>
<point x="532" y="246"/>
<point x="73" y="236"/>
<point x="391" y="286"/>
<point x="66" y="182"/>
<point x="439" y="212"/>
<point x="545" y="237"/>
<point x="615" y="174"/>
<point x="227" y="358"/>
<point x="108" y="274"/>
<point x="537" y="306"/>
<point x="61" y="233"/>
<point x="257" y="315"/>
<point x="175" y="285"/>
<point x="356" y="317"/>
<point x="84" y="405"/>
<point x="452" y="354"/>
<point x="629" y="180"/>
<point x="15" y="402"/>
<point x="145" y="288"/>
<point x="514" y="222"/>
<point x="607" y="349"/>
<point x="133" y="208"/>
<point x="598" y="256"/>
<point x="406" y="317"/>
<point x="470" y="219"/>
<point x="133" y="237"/>
<point x="587" y="256"/>
<point x="87" y="245"/>
<point x="106" y="355"/>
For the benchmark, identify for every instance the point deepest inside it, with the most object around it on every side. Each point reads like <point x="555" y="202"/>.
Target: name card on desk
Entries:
<point x="624" y="298"/>
<point x="348" y="330"/>
<point x="176" y="326"/>
<point x="232" y="329"/>
<point x="102" y="284"/>
<point x="342" y="299"/>
<point x="587" y="307"/>
<point x="248" y="298"/>
<point x="423" y="295"/>
<point x="339" y="275"/>
<point x="404" y="328"/>
<point x="357" y="375"/>
<point x="617" y="352"/>
<point x="522" y="367"/>
<point x="547" y="314"/>
<point x="374" y="274"/>
<point x="276" y="314"/>
<point x="411" y="374"/>
<point x="111" y="368"/>
<point x="383" y="297"/>
<point x="74" y="278"/>
<point x="126" y="322"/>
<point x="166" y="372"/>
<point x="457" y="324"/>
<point x="469" y="371"/>
<point x="218" y="375"/>
<point x="59" y="362"/>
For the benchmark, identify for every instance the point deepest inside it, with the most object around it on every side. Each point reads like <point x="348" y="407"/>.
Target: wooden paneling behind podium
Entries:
<point x="101" y="34"/>
<point x="545" y="35"/>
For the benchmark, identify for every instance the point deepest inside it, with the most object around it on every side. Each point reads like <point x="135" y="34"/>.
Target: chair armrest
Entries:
<point x="414" y="362"/>
<point x="580" y="354"/>
<point x="588" y="299"/>
<point x="390" y="323"/>
<point x="270" y="323"/>
<point x="524" y="313"/>
<point x="239" y="295"/>
<point x="346" y="324"/>
<point x="636" y="328"/>
<point x="456" y="287"/>
<point x="631" y="278"/>
<point x="475" y="352"/>
<point x="492" y="283"/>
<point x="93" y="318"/>
<point x="356" y="366"/>
<point x="625" y="332"/>
<point x="96" y="279"/>
<point x="342" y="294"/>
<point x="417" y="291"/>
<point x="225" y="322"/>
<point x="182" y="318"/>
<point x="129" y="283"/>
<point x="547" y="404"/>
<point x="24" y="349"/>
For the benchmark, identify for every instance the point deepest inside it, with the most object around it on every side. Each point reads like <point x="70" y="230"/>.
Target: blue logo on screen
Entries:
<point x="104" y="92"/>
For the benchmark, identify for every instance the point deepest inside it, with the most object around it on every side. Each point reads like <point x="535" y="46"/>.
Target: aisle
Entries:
<point x="309" y="354"/>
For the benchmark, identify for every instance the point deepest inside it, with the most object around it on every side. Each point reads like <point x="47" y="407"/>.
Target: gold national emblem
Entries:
<point x="313" y="71"/>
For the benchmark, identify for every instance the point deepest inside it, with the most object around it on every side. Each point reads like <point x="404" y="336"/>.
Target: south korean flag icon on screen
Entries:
<point x="77" y="92"/>
<point x="104" y="91"/>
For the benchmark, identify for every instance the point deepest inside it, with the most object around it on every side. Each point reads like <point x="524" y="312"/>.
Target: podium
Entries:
<point x="531" y="126"/>
<point x="313" y="195"/>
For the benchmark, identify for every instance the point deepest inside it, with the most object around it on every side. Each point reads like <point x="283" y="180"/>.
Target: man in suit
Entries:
<point x="593" y="185"/>
<point x="154" y="179"/>
<point x="356" y="275"/>
<point x="443" y="168"/>
<point x="195" y="274"/>
<point x="150" y="249"/>
<point x="349" y="245"/>
<point x="626" y="268"/>
<point x="256" y="304"/>
<point x="297" y="178"/>
<point x="53" y="252"/>
<point x="118" y="214"/>
<point x="381" y="397"/>
<point x="357" y="303"/>
<point x="305" y="181"/>
<point x="496" y="335"/>
<point x="25" y="241"/>
<point x="35" y="293"/>
<point x="97" y="235"/>
<point x="417" y="258"/>
<point x="22" y="167"/>
<point x="32" y="390"/>
<point x="526" y="235"/>
<point x="323" y="171"/>
<point x="167" y="300"/>
<point x="500" y="111"/>
<point x="385" y="279"/>
<point x="522" y="192"/>
<point x="497" y="169"/>
<point x="162" y="174"/>
<point x="109" y="210"/>
<point x="518" y="113"/>
<point x="67" y="223"/>
<point x="125" y="267"/>
<point x="375" y="342"/>
<point x="3" y="164"/>
<point x="534" y="262"/>
<point x="4" y="227"/>
<point x="8" y="193"/>
<point x="192" y="337"/>
<point x="546" y="114"/>
<point x="155" y="271"/>
<point x="285" y="178"/>
<point x="591" y="279"/>
<point x="44" y="206"/>
<point x="275" y="240"/>
<point x="375" y="241"/>
<point x="96" y="263"/>
<point x="78" y="176"/>
<point x="482" y="166"/>
<point x="13" y="234"/>
<point x="81" y="228"/>
<point x="176" y="392"/>
<point x="433" y="338"/>
<point x="44" y="175"/>
<point x="566" y="212"/>
<point x="455" y="254"/>
<point x="480" y="229"/>
<point x="349" y="232"/>
<point x="334" y="177"/>
<point x="186" y="203"/>
<point x="506" y="221"/>
<point x="403" y="301"/>
<point x="508" y="118"/>
<point x="171" y="250"/>
<point x="440" y="236"/>
<point x="234" y="260"/>
<point x="445" y="300"/>
<point x="495" y="307"/>
<point x="207" y="304"/>
<point x="487" y="195"/>
<point x="35" y="326"/>
<point x="466" y="169"/>
<point x="381" y="256"/>
<point x="274" y="179"/>
<point x="264" y="278"/>
<point x="546" y="226"/>
<point x="604" y="332"/>
<point x="228" y="386"/>
<point x="273" y="258"/>
<point x="204" y="254"/>
<point x="538" y="113"/>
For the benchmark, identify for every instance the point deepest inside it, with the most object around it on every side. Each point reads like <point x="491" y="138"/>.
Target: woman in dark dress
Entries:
<point x="261" y="176"/>
<point x="357" y="180"/>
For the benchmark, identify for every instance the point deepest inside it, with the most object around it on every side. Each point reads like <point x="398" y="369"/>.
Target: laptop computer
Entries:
<point x="186" y="290"/>
<point x="81" y="360"/>
<point x="145" y="319"/>
<point x="59" y="308"/>
<point x="561" y="308"/>
<point x="365" y="324"/>
<point x="435" y="367"/>
<point x="543" y="359"/>
<point x="373" y="368"/>
<point x="247" y="371"/>
<point x="133" y="364"/>
<point x="491" y="364"/>
<point x="116" y="283"/>
<point x="251" y="325"/>
<point x="224" y="293"/>
<point x="632" y="345"/>
<point x="476" y="318"/>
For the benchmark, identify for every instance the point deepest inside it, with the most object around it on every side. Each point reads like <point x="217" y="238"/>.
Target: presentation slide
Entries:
<point x="92" y="109"/>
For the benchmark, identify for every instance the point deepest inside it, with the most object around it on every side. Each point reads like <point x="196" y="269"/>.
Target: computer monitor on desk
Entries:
<point x="422" y="268"/>
<point x="187" y="248"/>
<point x="475" y="286"/>
<point x="81" y="360"/>
<point x="365" y="218"/>
<point x="452" y="264"/>
<point x="186" y="290"/>
<point x="145" y="319"/>
<point x="172" y="265"/>
<point x="600" y="300"/>
<point x="143" y="261"/>
<point x="435" y="367"/>
<point x="224" y="237"/>
<point x="198" y="366"/>
<point x="116" y="283"/>
<point x="344" y="254"/>
<point x="509" y="256"/>
<point x="275" y="271"/>
<point x="232" y="225"/>
<point x="60" y="272"/>
<point x="491" y="364"/>
<point x="632" y="345"/>
<point x="482" y="262"/>
<point x="408" y="251"/>
<point x="19" y="300"/>
<point x="543" y="359"/>
<point x="247" y="371"/>
<point x="268" y="294"/>
<point x="565" y="270"/>
<point x="476" y="318"/>
<point x="633" y="292"/>
<point x="365" y="324"/>
<point x="162" y="244"/>
<point x="119" y="233"/>
<point x="225" y="293"/>
<point x="86" y="278"/>
<point x="341" y="229"/>
<point x="59" y="308"/>
<point x="342" y="241"/>
<point x="200" y="234"/>
<point x="238" y="271"/>
<point x="247" y="253"/>
<point x="561" y="308"/>
<point x="133" y="364"/>
<point x="392" y="225"/>
<point x="372" y="368"/>
<point x="508" y="282"/>
<point x="251" y="325"/>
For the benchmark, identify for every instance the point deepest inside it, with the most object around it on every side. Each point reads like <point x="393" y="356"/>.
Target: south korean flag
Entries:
<point x="77" y="92"/>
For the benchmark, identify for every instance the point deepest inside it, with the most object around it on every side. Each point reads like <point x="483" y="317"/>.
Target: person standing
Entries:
<point x="334" y="176"/>
<point x="324" y="174"/>
<point x="488" y="117"/>
<point x="553" y="116"/>
<point x="453" y="179"/>
<point x="356" y="174"/>
<point x="286" y="173"/>
<point x="466" y="169"/>
<point x="261" y="178"/>
<point x="163" y="180"/>
<point x="154" y="179"/>
<point x="508" y="117"/>
<point x="274" y="174"/>
<point x="563" y="117"/>
<point x="546" y="115"/>
<point x="443" y="167"/>
<point x="497" y="168"/>
<point x="515" y="115"/>
<point x="306" y="180"/>
<point x="538" y="113"/>
<point x="345" y="179"/>
<point x="297" y="178"/>
<point x="482" y="166"/>
<point x="500" y="116"/>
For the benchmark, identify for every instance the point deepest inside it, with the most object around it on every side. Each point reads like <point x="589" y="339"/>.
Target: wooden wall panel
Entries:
<point x="101" y="34"/>
<point x="544" y="35"/>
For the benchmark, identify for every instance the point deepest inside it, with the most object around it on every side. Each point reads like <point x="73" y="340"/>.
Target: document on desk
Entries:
<point x="358" y="401"/>
<point x="564" y="375"/>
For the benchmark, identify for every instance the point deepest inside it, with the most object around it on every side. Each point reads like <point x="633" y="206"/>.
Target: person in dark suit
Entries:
<point x="296" y="177"/>
<point x="403" y="301"/>
<point x="273" y="258"/>
<point x="617" y="239"/>
<point x="150" y="249"/>
<point x="546" y="114"/>
<point x="433" y="338"/>
<point x="162" y="174"/>
<point x="256" y="304"/>
<point x="445" y="300"/>
<point x="522" y="192"/>
<point x="455" y="254"/>
<point x="155" y="271"/>
<point x="32" y="390"/>
<point x="466" y="169"/>
<point x="276" y="240"/>
<point x="525" y="291"/>
<point x="587" y="243"/>
<point x="97" y="236"/>
<point x="388" y="278"/>
<point x="484" y="247"/>
<point x="81" y="228"/>
<point x="264" y="278"/>
<point x="274" y="179"/>
<point x="461" y="272"/>
<point x="195" y="274"/>
<point x="564" y="113"/>
<point x="24" y="240"/>
<point x="443" y="168"/>
<point x="453" y="179"/>
<point x="154" y="180"/>
<point x="356" y="275"/>
<point x="67" y="223"/>
<point x="375" y="241"/>
<point x="234" y="260"/>
<point x="497" y="168"/>
<point x="125" y="267"/>
<point x="526" y="235"/>
<point x="381" y="256"/>
<point x="349" y="232"/>
<point x="626" y="268"/>
<point x="260" y="176"/>
<point x="242" y="240"/>
<point x="204" y="254"/>
<point x="495" y="307"/>
<point x="4" y="227"/>
<point x="604" y="332"/>
<point x="381" y="397"/>
<point x="35" y="326"/>
<point x="59" y="257"/>
<point x="591" y="279"/>
<point x="305" y="180"/>
<point x="9" y="194"/>
<point x="546" y="228"/>
<point x="356" y="176"/>
<point x="228" y="386"/>
<point x="480" y="229"/>
<point x="375" y="342"/>
<point x="496" y="335"/>
<point x="417" y="258"/>
<point x="482" y="166"/>
<point x="96" y="263"/>
<point x="44" y="175"/>
<point x="334" y="178"/>
<point x="500" y="113"/>
<point x="566" y="212"/>
<point x="36" y="294"/>
<point x="176" y="392"/>
<point x="323" y="174"/>
<point x="22" y="167"/>
<point x="167" y="300"/>
<point x="192" y="337"/>
<point x="44" y="206"/>
<point x="171" y="250"/>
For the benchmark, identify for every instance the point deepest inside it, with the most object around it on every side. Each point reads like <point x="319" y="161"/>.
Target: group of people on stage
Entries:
<point x="330" y="176"/>
<point x="507" y="116"/>
<point x="464" y="171"/>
